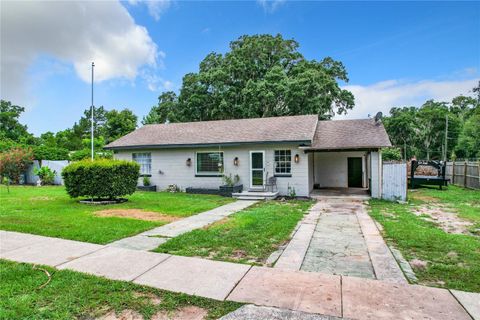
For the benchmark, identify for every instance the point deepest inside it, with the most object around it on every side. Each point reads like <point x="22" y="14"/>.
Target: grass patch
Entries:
<point x="72" y="295"/>
<point x="49" y="211"/>
<point x="249" y="236"/>
<point x="453" y="259"/>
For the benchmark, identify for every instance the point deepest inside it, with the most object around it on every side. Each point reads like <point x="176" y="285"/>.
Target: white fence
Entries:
<point x="57" y="166"/>
<point x="394" y="181"/>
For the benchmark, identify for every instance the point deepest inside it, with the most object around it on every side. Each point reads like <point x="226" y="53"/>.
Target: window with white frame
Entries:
<point x="283" y="163"/>
<point x="145" y="161"/>
<point x="209" y="163"/>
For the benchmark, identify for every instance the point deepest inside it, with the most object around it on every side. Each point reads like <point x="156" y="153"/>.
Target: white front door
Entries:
<point x="257" y="169"/>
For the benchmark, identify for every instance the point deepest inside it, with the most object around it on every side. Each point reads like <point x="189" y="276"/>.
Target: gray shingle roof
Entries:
<point x="350" y="134"/>
<point x="274" y="129"/>
<point x="322" y="135"/>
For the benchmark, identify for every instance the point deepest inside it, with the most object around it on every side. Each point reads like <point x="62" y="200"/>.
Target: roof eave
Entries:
<point x="202" y="145"/>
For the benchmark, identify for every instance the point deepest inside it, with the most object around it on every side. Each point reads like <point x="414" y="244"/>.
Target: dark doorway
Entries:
<point x="354" y="172"/>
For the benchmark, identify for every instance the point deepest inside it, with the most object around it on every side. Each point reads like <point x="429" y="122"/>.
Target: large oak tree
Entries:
<point x="261" y="76"/>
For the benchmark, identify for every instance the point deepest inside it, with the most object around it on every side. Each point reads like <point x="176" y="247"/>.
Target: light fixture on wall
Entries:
<point x="297" y="158"/>
<point x="235" y="161"/>
<point x="189" y="162"/>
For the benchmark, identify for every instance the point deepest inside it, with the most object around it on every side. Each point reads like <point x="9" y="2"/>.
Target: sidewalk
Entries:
<point x="332" y="295"/>
<point x="151" y="239"/>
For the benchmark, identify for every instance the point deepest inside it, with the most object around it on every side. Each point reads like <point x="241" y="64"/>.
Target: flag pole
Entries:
<point x="91" y="114"/>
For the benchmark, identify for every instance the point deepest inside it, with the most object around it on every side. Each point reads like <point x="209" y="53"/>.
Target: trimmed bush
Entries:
<point x="101" y="179"/>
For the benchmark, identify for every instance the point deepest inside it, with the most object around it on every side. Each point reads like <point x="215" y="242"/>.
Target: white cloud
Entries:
<point x="382" y="96"/>
<point x="76" y="32"/>
<point x="155" y="7"/>
<point x="270" y="5"/>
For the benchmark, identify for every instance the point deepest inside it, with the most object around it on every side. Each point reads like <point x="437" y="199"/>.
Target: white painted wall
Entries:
<point x="376" y="174"/>
<point x="331" y="168"/>
<point x="172" y="164"/>
<point x="394" y="181"/>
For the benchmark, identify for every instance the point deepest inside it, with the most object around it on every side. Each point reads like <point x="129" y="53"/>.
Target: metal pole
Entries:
<point x="446" y="137"/>
<point x="91" y="113"/>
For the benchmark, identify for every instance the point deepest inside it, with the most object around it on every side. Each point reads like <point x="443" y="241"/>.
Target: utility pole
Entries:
<point x="446" y="138"/>
<point x="91" y="113"/>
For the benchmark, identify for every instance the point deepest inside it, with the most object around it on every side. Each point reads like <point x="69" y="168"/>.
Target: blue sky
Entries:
<point x="395" y="53"/>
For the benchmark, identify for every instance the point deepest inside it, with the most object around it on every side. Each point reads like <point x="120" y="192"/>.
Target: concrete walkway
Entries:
<point x="325" y="294"/>
<point x="339" y="237"/>
<point x="151" y="239"/>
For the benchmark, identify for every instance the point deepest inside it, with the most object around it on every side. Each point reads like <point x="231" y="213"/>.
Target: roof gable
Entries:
<point x="350" y="134"/>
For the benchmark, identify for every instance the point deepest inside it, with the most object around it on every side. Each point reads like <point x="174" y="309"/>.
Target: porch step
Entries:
<point x="255" y="195"/>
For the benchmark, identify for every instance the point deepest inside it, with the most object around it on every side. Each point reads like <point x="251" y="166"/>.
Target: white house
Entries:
<point x="301" y="152"/>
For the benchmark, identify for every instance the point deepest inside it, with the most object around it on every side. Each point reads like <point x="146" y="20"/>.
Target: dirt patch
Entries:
<point x="425" y="198"/>
<point x="447" y="220"/>
<point x="185" y="313"/>
<point x="136" y="214"/>
<point x="124" y="315"/>
<point x="41" y="198"/>
<point x="418" y="264"/>
<point x="155" y="300"/>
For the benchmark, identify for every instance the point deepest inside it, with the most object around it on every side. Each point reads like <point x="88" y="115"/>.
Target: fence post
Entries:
<point x="453" y="172"/>
<point x="465" y="175"/>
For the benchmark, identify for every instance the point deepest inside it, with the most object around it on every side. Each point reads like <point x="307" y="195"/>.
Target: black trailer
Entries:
<point x="438" y="180"/>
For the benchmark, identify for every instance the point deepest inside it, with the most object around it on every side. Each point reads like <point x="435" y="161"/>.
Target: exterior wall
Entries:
<point x="169" y="167"/>
<point x="376" y="174"/>
<point x="331" y="168"/>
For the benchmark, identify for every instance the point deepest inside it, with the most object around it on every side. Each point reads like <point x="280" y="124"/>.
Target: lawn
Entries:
<point x="249" y="236"/>
<point x="73" y="295"/>
<point x="49" y="211"/>
<point x="453" y="260"/>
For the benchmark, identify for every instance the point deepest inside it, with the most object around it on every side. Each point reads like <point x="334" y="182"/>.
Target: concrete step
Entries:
<point x="255" y="195"/>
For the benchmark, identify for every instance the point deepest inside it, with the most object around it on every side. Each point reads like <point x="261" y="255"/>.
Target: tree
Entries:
<point x="261" y="76"/>
<point x="469" y="140"/>
<point x="400" y="126"/>
<point x="164" y="111"/>
<point x="14" y="162"/>
<point x="119" y="123"/>
<point x="10" y="127"/>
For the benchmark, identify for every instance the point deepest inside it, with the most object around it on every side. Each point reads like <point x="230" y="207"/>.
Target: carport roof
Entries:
<point x="349" y="135"/>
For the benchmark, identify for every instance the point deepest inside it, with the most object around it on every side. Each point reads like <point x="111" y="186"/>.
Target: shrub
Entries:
<point x="50" y="153"/>
<point x="230" y="181"/>
<point x="46" y="175"/>
<point x="391" y="154"/>
<point x="146" y="181"/>
<point x="102" y="178"/>
<point x="14" y="162"/>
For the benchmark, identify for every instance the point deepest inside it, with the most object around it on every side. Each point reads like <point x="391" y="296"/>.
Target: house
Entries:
<point x="301" y="151"/>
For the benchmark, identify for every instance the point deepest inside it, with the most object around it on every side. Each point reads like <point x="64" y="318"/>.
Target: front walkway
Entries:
<point x="339" y="237"/>
<point x="151" y="239"/>
<point x="333" y="295"/>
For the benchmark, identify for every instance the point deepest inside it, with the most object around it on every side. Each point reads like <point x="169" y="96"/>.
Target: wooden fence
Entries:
<point x="464" y="173"/>
<point x="394" y="181"/>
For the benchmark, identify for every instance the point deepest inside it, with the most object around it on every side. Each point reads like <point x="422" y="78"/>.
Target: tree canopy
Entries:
<point x="261" y="76"/>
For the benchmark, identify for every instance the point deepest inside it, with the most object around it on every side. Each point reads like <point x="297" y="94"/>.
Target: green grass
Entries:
<point x="249" y="236"/>
<point x="71" y="295"/>
<point x="49" y="211"/>
<point x="453" y="259"/>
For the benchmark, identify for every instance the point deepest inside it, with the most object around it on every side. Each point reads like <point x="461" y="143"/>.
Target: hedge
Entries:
<point x="100" y="179"/>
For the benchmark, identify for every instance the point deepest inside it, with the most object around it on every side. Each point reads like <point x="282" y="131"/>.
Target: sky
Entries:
<point x="396" y="53"/>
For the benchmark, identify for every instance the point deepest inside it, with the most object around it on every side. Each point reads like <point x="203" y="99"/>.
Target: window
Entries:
<point x="209" y="163"/>
<point x="145" y="162"/>
<point x="283" y="163"/>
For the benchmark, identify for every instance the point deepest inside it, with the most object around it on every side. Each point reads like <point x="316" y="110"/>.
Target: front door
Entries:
<point x="354" y="172"/>
<point x="257" y="169"/>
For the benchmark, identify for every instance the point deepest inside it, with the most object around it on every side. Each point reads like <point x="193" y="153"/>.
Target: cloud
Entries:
<point x="382" y="96"/>
<point x="155" y="7"/>
<point x="76" y="33"/>
<point x="270" y="6"/>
